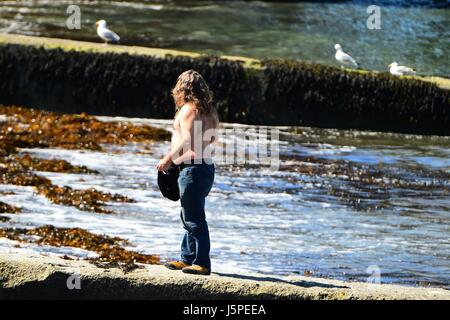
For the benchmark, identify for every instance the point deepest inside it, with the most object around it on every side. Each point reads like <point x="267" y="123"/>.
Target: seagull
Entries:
<point x="397" y="70"/>
<point x="344" y="58"/>
<point x="106" y="34"/>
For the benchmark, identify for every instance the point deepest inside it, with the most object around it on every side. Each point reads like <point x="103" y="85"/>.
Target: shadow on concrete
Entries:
<point x="300" y="283"/>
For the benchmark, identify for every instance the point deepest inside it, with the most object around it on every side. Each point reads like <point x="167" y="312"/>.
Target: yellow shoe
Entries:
<point x="196" y="269"/>
<point x="176" y="265"/>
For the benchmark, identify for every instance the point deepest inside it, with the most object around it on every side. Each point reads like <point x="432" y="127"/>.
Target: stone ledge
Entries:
<point x="85" y="46"/>
<point x="43" y="277"/>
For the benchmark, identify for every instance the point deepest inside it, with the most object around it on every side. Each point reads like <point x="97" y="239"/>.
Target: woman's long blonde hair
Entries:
<point x="192" y="88"/>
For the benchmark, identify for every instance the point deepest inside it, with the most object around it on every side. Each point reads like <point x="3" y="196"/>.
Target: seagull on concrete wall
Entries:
<point x="397" y="70"/>
<point x="343" y="58"/>
<point x="106" y="34"/>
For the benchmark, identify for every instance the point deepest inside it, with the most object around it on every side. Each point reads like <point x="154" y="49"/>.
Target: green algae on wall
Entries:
<point x="321" y="96"/>
<point x="113" y="84"/>
<point x="74" y="77"/>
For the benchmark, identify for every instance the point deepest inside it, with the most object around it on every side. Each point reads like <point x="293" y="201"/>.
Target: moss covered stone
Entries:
<point x="315" y="95"/>
<point x="74" y="77"/>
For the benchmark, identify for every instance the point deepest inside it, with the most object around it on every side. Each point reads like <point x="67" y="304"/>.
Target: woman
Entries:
<point x="195" y="118"/>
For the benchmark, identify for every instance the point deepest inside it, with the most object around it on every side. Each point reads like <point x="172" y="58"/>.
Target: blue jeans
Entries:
<point x="195" y="182"/>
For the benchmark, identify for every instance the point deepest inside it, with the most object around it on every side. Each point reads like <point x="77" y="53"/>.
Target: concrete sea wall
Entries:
<point x="42" y="277"/>
<point x="75" y="76"/>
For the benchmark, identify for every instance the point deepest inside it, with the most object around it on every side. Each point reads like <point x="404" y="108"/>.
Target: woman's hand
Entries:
<point x="164" y="163"/>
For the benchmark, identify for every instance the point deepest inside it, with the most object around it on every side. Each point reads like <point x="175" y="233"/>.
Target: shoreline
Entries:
<point x="45" y="277"/>
<point x="73" y="180"/>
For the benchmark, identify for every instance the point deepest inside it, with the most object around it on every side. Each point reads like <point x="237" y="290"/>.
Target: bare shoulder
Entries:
<point x="187" y="111"/>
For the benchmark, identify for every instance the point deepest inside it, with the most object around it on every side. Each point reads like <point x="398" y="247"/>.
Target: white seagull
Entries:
<point x="106" y="34"/>
<point x="397" y="70"/>
<point x="344" y="58"/>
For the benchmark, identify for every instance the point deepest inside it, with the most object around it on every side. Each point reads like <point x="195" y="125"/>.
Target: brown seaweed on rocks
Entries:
<point x="28" y="128"/>
<point x="33" y="128"/>
<point x="110" y="249"/>
<point x="14" y="174"/>
<point x="50" y="165"/>
<point x="6" y="208"/>
<point x="86" y="200"/>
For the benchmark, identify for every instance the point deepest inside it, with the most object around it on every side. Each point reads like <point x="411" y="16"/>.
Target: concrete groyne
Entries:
<point x="75" y="76"/>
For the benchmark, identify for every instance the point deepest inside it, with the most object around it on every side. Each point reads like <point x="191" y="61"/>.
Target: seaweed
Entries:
<point x="6" y="208"/>
<point x="321" y="96"/>
<point x="13" y="174"/>
<point x="30" y="128"/>
<point x="110" y="249"/>
<point x="125" y="267"/>
<point x="33" y="128"/>
<point x="115" y="84"/>
<point x="50" y="165"/>
<point x="86" y="200"/>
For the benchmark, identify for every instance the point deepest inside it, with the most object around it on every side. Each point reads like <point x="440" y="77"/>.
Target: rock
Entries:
<point x="43" y="277"/>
